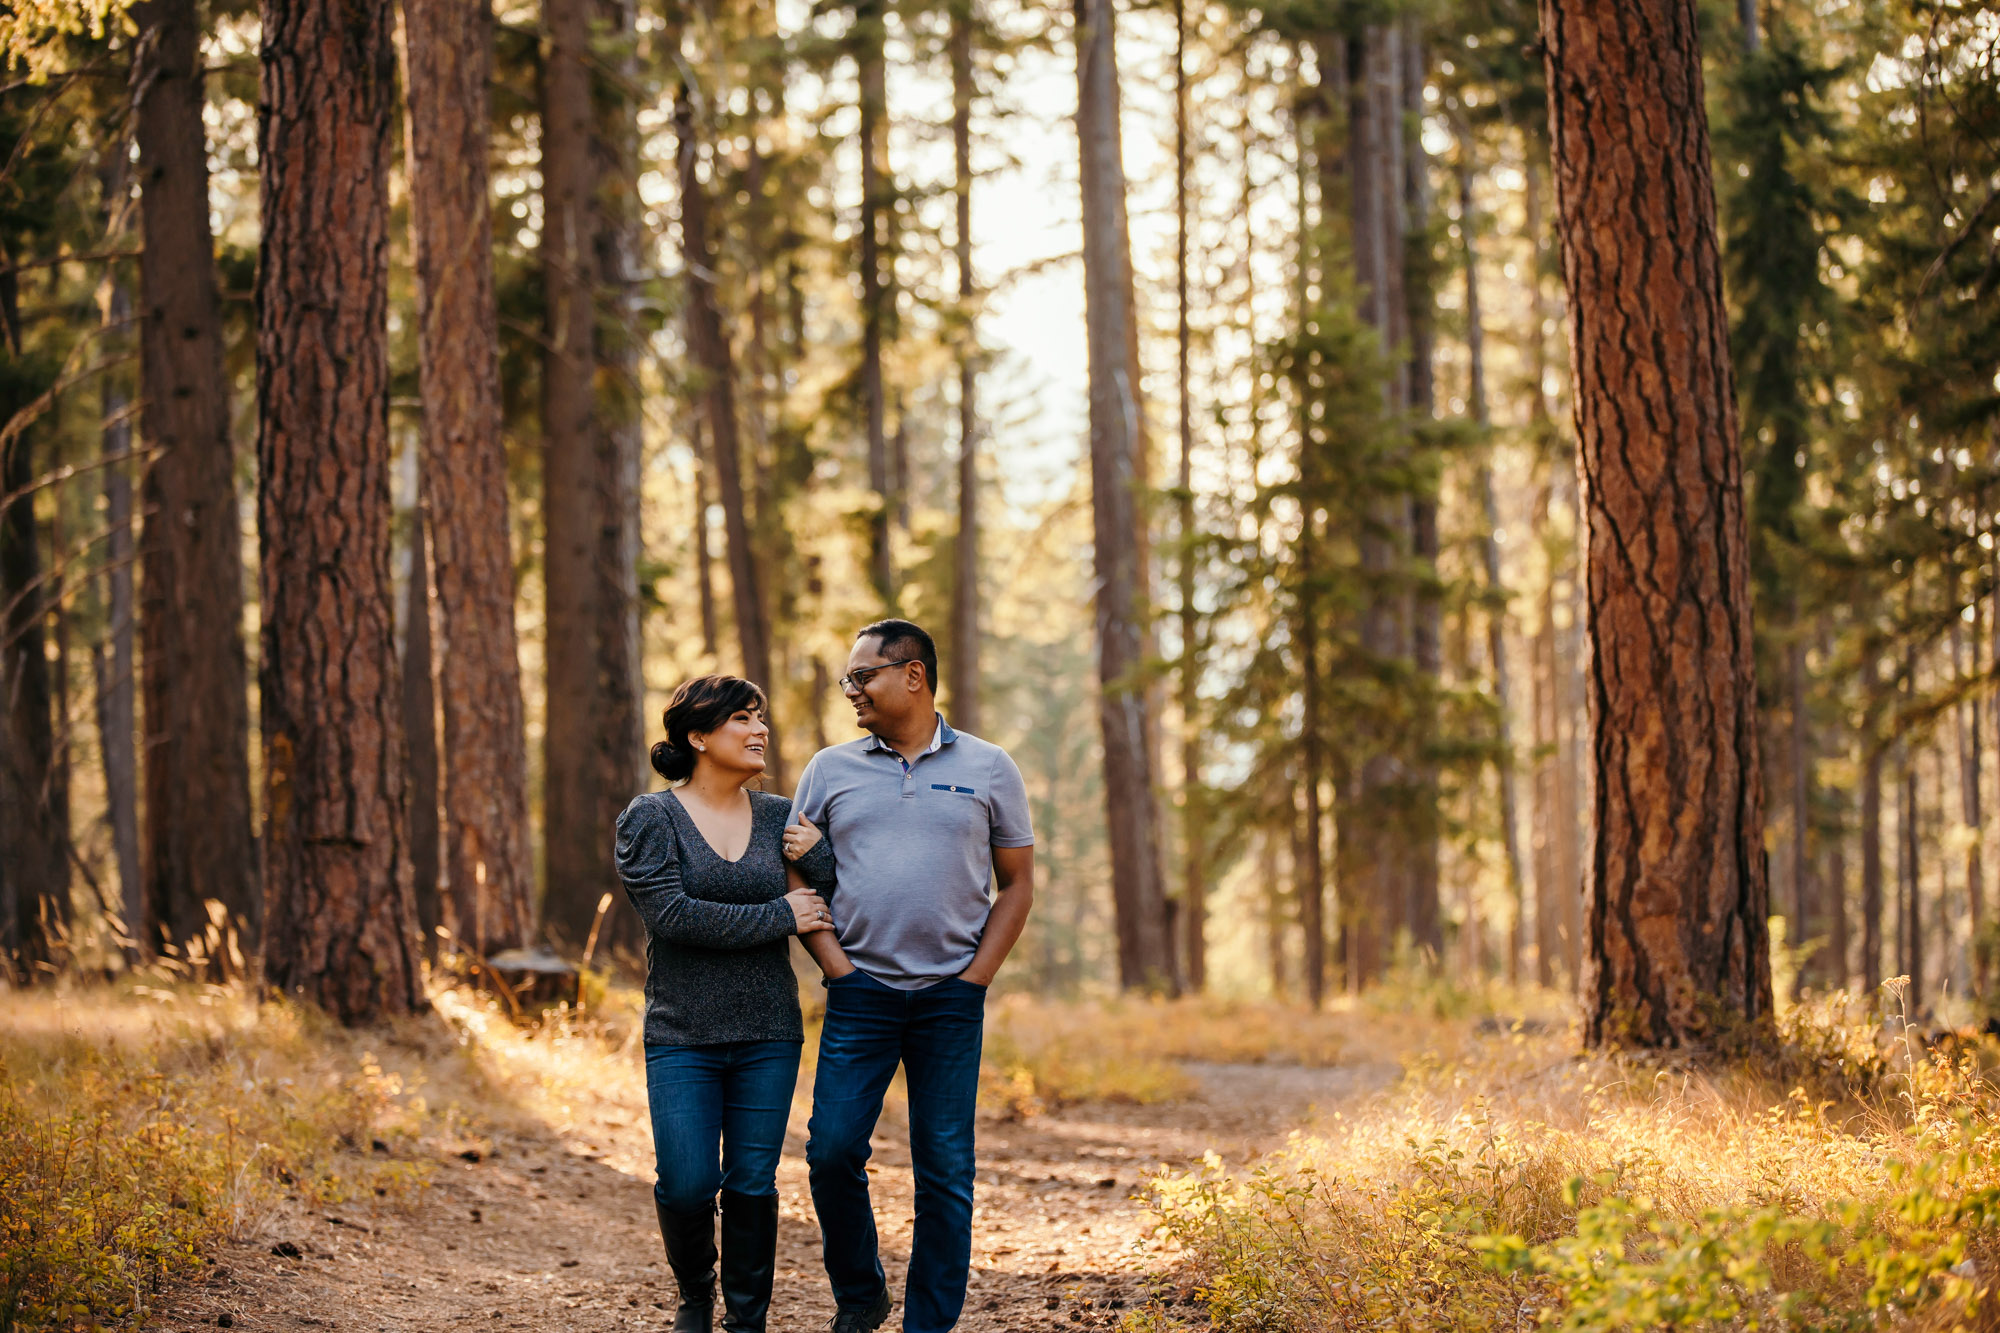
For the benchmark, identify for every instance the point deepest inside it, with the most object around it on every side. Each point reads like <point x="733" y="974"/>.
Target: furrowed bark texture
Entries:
<point x="487" y="862"/>
<point x="196" y="756"/>
<point x="1145" y="943"/>
<point x="340" y="916"/>
<point x="1677" y="894"/>
<point x="593" y="748"/>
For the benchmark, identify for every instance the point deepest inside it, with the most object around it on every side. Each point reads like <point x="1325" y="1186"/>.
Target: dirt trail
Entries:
<point x="553" y="1231"/>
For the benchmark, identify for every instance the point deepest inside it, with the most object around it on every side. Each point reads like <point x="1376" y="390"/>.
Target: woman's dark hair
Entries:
<point x="701" y="704"/>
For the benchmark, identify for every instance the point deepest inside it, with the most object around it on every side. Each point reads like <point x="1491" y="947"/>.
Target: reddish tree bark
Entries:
<point x="340" y="915"/>
<point x="487" y="863"/>
<point x="1677" y="893"/>
<point x="195" y="679"/>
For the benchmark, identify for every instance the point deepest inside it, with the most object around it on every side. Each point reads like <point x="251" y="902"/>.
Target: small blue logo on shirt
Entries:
<point x="946" y="786"/>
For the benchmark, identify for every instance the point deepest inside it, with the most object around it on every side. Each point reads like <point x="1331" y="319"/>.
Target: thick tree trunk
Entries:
<point x="1678" y="894"/>
<point x="34" y="867"/>
<point x="198" y="841"/>
<point x="420" y="735"/>
<point x="488" y="865"/>
<point x="594" y="741"/>
<point x="876" y="215"/>
<point x="341" y="927"/>
<point x="113" y="669"/>
<point x="965" y="604"/>
<point x="1145" y="943"/>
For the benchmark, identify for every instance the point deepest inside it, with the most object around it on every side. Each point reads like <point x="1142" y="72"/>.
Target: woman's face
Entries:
<point x="737" y="746"/>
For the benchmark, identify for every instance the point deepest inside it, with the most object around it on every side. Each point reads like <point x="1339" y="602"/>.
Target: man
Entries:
<point x="922" y="819"/>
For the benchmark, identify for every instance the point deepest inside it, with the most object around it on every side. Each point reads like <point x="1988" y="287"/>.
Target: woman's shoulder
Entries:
<point x="770" y="803"/>
<point x="647" y="809"/>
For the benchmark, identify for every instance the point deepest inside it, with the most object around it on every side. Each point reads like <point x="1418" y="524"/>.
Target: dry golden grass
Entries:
<point x="139" y="1124"/>
<point x="1506" y="1180"/>
<point x="1509" y="1181"/>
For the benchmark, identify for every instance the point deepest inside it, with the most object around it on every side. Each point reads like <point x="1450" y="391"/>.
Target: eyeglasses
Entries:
<point x="857" y="679"/>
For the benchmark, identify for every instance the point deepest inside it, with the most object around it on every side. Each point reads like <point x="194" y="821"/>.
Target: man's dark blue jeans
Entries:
<point x="935" y="1034"/>
<point x="719" y="1117"/>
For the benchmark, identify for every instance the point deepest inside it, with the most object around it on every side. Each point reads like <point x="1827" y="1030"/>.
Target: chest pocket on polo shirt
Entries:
<point x="959" y="807"/>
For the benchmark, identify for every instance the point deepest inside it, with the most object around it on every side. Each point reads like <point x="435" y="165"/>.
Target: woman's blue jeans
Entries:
<point x="719" y="1116"/>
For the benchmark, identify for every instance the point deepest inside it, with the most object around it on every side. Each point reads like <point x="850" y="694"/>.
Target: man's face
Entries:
<point x="877" y="686"/>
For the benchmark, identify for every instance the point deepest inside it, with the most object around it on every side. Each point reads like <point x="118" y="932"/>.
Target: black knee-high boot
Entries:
<point x="690" y="1240"/>
<point x="749" y="1258"/>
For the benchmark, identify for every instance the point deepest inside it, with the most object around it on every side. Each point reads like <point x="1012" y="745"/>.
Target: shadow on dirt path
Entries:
<point x="554" y="1231"/>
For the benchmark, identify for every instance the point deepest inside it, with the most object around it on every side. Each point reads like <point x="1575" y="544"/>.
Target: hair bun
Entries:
<point x="671" y="762"/>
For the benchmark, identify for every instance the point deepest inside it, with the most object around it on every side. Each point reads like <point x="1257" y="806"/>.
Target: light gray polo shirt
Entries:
<point x="913" y="848"/>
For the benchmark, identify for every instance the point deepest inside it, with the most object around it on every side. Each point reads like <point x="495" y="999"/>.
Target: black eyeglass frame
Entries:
<point x="867" y="674"/>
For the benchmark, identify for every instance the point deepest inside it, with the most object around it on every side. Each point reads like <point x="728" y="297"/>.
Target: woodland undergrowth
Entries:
<point x="1838" y="1174"/>
<point x="144" y="1122"/>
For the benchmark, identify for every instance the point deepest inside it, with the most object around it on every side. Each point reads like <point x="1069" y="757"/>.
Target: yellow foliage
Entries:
<point x="32" y="31"/>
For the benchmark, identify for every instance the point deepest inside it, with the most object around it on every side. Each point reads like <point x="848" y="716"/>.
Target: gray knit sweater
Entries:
<point x="718" y="965"/>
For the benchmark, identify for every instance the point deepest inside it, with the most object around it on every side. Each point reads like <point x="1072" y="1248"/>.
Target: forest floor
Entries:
<point x="547" y="1224"/>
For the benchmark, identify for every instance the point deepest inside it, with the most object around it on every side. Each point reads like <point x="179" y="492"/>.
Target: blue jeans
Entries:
<point x="935" y="1034"/>
<point x="719" y="1116"/>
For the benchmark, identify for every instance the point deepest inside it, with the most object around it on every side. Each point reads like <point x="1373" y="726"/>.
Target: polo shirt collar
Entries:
<point x="940" y="738"/>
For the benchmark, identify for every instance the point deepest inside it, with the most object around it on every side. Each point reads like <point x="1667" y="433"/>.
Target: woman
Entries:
<point x="705" y="865"/>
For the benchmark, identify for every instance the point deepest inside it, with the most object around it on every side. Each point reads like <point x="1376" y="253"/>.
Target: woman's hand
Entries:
<point x="799" y="838"/>
<point x="808" y="911"/>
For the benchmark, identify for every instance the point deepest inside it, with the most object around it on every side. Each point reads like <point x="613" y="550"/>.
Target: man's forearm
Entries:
<point x="826" y="951"/>
<point x="1004" y="925"/>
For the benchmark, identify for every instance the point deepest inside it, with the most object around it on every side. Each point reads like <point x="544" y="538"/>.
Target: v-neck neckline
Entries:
<point x="696" y="825"/>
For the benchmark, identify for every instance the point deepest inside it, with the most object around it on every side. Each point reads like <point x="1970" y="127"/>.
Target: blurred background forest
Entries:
<point x="795" y="316"/>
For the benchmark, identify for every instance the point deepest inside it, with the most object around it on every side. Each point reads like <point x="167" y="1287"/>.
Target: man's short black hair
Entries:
<point x="903" y="639"/>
